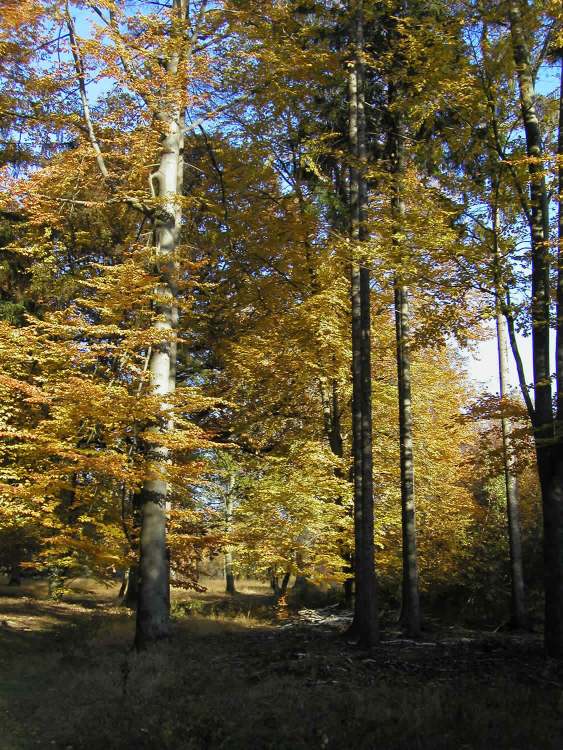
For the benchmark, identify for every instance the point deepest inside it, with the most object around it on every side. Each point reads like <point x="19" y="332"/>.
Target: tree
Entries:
<point x="547" y="434"/>
<point x="365" y="624"/>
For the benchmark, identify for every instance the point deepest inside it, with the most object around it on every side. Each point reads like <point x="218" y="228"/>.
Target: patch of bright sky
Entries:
<point x="482" y="363"/>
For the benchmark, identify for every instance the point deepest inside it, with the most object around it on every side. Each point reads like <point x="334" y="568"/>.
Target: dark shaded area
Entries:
<point x="71" y="680"/>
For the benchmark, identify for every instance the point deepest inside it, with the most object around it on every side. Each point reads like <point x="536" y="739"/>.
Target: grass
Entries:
<point x="231" y="677"/>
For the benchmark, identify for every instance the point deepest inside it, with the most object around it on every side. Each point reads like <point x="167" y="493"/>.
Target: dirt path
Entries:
<point x="69" y="680"/>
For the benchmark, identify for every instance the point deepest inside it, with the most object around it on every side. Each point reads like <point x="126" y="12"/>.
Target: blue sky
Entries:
<point x="482" y="364"/>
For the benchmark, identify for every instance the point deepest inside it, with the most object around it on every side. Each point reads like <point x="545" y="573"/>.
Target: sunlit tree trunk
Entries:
<point x="153" y="610"/>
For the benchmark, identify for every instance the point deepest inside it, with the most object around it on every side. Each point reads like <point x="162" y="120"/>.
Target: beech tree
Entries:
<point x="239" y="242"/>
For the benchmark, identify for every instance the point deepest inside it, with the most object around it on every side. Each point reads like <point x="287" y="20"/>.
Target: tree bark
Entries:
<point x="333" y="433"/>
<point x="410" y="610"/>
<point x="230" y="587"/>
<point x="131" y="597"/>
<point x="559" y="318"/>
<point x="153" y="611"/>
<point x="15" y="577"/>
<point x="284" y="584"/>
<point x="518" y="612"/>
<point x="519" y="618"/>
<point x="547" y="442"/>
<point x="365" y="624"/>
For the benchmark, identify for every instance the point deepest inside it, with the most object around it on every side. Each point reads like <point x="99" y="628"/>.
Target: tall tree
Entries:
<point x="365" y="624"/>
<point x="547" y="435"/>
<point x="410" y="614"/>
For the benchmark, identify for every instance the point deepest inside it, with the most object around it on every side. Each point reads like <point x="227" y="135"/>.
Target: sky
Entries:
<point x="482" y="364"/>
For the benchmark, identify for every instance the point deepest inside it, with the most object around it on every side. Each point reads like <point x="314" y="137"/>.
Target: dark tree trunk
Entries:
<point x="518" y="612"/>
<point x="153" y="607"/>
<point x="547" y="438"/>
<point x="274" y="583"/>
<point x="230" y="587"/>
<point x="410" y="608"/>
<point x="123" y="586"/>
<point x="131" y="595"/>
<point x="559" y="319"/>
<point x="365" y="625"/>
<point x="15" y="578"/>
<point x="519" y="618"/>
<point x="551" y="461"/>
<point x="284" y="584"/>
<point x="348" y="592"/>
<point x="333" y="432"/>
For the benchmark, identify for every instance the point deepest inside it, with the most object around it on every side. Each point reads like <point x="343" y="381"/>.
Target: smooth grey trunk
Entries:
<point x="547" y="440"/>
<point x="519" y="618"/>
<point x="153" y="610"/>
<point x="365" y="624"/>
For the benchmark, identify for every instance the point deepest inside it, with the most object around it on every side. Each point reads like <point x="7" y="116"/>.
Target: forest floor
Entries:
<point x="234" y="677"/>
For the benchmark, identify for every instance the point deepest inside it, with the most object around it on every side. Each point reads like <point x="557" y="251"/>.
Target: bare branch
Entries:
<point x="79" y="67"/>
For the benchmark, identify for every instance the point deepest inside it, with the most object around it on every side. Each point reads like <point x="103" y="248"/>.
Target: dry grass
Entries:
<point x="70" y="680"/>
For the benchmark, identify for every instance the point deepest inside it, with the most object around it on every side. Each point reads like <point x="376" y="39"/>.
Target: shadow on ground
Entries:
<point x="70" y="680"/>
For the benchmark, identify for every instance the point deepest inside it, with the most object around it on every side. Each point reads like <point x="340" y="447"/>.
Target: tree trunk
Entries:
<point x="228" y="554"/>
<point x="548" y="448"/>
<point x="365" y="625"/>
<point x="230" y="587"/>
<point x="410" y="608"/>
<point x="518" y="612"/>
<point x="333" y="432"/>
<point x="559" y="316"/>
<point x="553" y="509"/>
<point x="284" y="584"/>
<point x="519" y="617"/>
<point x="15" y="578"/>
<point x="274" y="584"/>
<point x="348" y="587"/>
<point x="131" y="596"/>
<point x="153" y="611"/>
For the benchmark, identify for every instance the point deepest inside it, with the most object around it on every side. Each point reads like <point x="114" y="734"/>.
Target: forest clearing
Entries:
<point x="260" y="485"/>
<point x="241" y="679"/>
